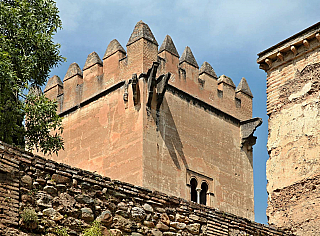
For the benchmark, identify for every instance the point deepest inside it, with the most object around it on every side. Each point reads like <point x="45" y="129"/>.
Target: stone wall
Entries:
<point x="293" y="168"/>
<point x="40" y="196"/>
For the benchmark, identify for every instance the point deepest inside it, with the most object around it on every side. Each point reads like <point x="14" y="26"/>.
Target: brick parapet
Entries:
<point x="59" y="192"/>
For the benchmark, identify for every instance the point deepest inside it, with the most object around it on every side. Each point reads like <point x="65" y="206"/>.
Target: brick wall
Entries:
<point x="9" y="187"/>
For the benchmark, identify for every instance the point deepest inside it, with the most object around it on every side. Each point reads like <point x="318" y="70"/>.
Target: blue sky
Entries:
<point x="228" y="34"/>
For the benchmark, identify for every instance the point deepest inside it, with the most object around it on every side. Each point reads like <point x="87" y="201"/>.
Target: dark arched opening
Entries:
<point x="203" y="193"/>
<point x="193" y="185"/>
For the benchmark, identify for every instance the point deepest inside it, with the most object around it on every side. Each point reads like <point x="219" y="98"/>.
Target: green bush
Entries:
<point x="62" y="232"/>
<point x="29" y="218"/>
<point x="94" y="230"/>
<point x="29" y="215"/>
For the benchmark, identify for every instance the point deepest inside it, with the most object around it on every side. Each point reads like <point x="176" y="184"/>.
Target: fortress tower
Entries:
<point x="293" y="98"/>
<point x="152" y="118"/>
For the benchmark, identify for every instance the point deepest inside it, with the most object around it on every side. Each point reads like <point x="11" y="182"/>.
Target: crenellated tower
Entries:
<point x="154" y="119"/>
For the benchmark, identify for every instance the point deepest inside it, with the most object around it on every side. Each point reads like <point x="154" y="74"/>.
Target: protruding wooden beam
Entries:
<point x="306" y="43"/>
<point x="318" y="36"/>
<point x="294" y="50"/>
<point x="269" y="62"/>
<point x="280" y="56"/>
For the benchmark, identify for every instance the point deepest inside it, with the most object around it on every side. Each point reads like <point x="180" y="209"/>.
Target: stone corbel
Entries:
<point x="159" y="83"/>
<point x="135" y="89"/>
<point x="247" y="129"/>
<point x="162" y="83"/>
<point x="125" y="94"/>
<point x="263" y="66"/>
<point x="151" y="76"/>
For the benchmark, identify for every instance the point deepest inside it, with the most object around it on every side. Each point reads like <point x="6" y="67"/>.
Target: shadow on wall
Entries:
<point x="169" y="133"/>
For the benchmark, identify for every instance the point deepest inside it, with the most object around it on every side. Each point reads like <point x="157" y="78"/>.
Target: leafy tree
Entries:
<point x="27" y="53"/>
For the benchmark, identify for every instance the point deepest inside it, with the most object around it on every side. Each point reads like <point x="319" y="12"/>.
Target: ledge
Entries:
<point x="290" y="48"/>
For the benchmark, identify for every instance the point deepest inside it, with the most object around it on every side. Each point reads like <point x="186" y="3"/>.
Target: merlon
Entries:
<point x="73" y="70"/>
<point x="142" y="30"/>
<point x="244" y="87"/>
<point x="207" y="68"/>
<point x="226" y="80"/>
<point x="113" y="47"/>
<point x="53" y="81"/>
<point x="187" y="56"/>
<point x="169" y="46"/>
<point x="92" y="59"/>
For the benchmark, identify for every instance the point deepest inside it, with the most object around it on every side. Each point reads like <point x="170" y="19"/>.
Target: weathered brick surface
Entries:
<point x="9" y="190"/>
<point x="294" y="119"/>
<point x="299" y="204"/>
<point x="71" y="198"/>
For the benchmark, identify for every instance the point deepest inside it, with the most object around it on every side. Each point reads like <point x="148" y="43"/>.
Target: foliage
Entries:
<point x="62" y="232"/>
<point x="41" y="119"/>
<point x="29" y="215"/>
<point x="27" y="54"/>
<point x="94" y="230"/>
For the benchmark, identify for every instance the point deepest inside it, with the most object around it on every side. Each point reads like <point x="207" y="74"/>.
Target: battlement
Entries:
<point x="118" y="66"/>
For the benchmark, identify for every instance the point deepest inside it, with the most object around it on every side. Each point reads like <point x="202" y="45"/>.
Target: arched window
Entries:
<point x="193" y="185"/>
<point x="203" y="193"/>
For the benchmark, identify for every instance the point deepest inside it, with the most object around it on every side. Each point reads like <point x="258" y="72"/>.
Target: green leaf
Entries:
<point x="27" y="53"/>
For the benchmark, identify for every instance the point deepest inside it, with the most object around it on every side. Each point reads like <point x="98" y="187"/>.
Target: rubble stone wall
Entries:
<point x="40" y="196"/>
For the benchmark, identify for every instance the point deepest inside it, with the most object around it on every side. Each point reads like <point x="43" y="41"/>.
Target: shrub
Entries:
<point x="62" y="232"/>
<point x="94" y="230"/>
<point x="29" y="218"/>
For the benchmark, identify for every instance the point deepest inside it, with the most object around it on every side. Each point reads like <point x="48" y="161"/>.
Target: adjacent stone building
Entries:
<point x="293" y="102"/>
<point x="149" y="117"/>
